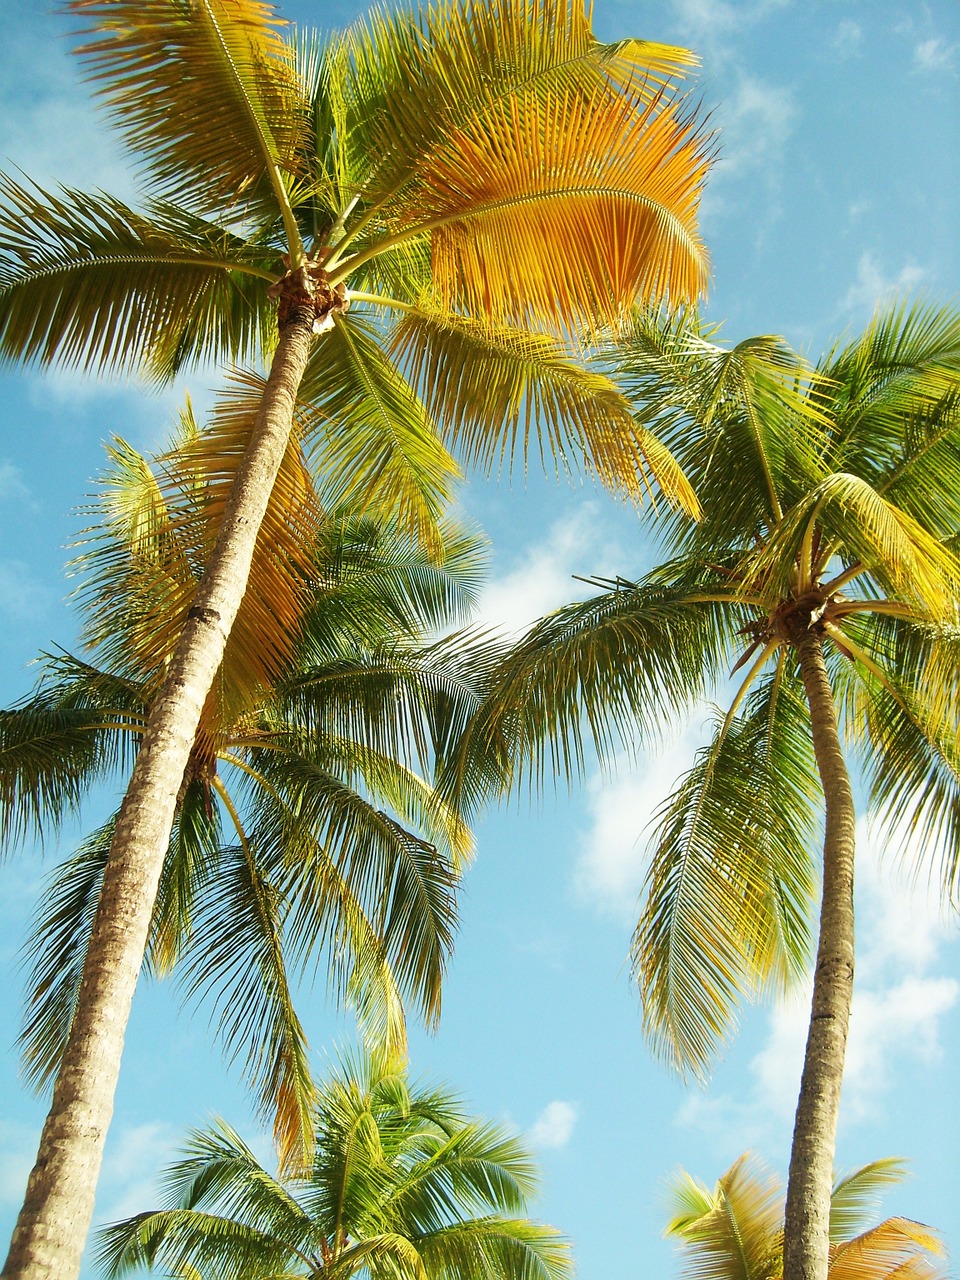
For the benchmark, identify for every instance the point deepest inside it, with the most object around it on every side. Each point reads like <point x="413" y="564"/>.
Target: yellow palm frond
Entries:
<point x="493" y="387"/>
<point x="560" y="208"/>
<point x="205" y="94"/>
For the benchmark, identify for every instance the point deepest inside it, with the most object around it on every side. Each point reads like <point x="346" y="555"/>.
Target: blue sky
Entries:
<point x="838" y="181"/>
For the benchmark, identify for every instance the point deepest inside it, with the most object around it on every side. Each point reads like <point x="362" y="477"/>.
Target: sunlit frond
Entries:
<point x="733" y="1231"/>
<point x="500" y="392"/>
<point x="205" y="96"/>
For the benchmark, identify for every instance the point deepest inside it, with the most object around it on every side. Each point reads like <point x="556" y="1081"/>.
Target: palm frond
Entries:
<point x="730" y="886"/>
<point x="732" y="1232"/>
<point x="491" y="387"/>
<point x="204" y="95"/>
<point x="856" y="1196"/>
<point x="369" y="436"/>
<point x="86" y="281"/>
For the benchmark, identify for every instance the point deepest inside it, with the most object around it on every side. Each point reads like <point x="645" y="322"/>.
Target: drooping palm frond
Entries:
<point x="729" y="891"/>
<point x="494" y="387"/>
<point x="85" y="280"/>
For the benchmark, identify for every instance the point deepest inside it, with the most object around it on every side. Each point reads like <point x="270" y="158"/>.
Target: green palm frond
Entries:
<point x="730" y="886"/>
<point x="593" y="671"/>
<point x="899" y="554"/>
<point x="492" y="387"/>
<point x="856" y="1196"/>
<point x="236" y="960"/>
<point x="403" y="1183"/>
<point x="369" y="435"/>
<point x="204" y="95"/>
<point x="903" y="724"/>
<point x="56" y="949"/>
<point x="86" y="281"/>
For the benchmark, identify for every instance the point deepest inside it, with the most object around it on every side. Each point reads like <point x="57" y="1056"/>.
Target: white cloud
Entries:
<point x="848" y="39"/>
<point x="756" y="122"/>
<point x="934" y="55"/>
<point x="712" y="27"/>
<point x="22" y="596"/>
<point x="554" y="1126"/>
<point x="542" y="578"/>
<point x="873" y="284"/>
<point x="133" y="1159"/>
<point x="12" y="486"/>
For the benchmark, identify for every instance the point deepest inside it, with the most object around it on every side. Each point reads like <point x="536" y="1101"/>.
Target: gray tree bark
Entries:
<point x="807" y="1221"/>
<point x="52" y="1227"/>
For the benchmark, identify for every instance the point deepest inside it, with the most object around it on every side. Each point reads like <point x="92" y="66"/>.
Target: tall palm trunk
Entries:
<point x="807" y="1219"/>
<point x="53" y="1223"/>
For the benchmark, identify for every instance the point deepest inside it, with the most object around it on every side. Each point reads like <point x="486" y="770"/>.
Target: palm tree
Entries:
<point x="458" y="173"/>
<point x="735" y="1230"/>
<point x="302" y="824"/>
<point x="824" y="567"/>
<point x="403" y="1183"/>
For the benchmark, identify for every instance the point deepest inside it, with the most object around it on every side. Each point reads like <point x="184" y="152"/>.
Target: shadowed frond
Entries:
<point x="86" y="281"/>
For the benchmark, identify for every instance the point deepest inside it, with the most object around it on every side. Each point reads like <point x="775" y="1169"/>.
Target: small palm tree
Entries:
<point x="449" y="176"/>
<point x="403" y="1184"/>
<point x="735" y="1230"/>
<point x="824" y="568"/>
<point x="303" y="825"/>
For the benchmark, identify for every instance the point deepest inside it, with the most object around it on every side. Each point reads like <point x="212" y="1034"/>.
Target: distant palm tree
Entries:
<point x="735" y="1231"/>
<point x="302" y="825"/>
<point x="825" y="566"/>
<point x="453" y="174"/>
<point x="404" y="1186"/>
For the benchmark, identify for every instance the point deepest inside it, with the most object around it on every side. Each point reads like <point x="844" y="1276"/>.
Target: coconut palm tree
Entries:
<point x="820" y="590"/>
<point x="453" y="174"/>
<point x="735" y="1230"/>
<point x="302" y="824"/>
<point x="403" y="1184"/>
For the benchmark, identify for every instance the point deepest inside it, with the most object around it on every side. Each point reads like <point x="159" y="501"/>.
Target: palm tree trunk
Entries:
<point x="53" y="1223"/>
<point x="807" y="1220"/>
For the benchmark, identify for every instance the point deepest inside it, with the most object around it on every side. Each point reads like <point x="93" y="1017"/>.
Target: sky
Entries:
<point x="838" y="182"/>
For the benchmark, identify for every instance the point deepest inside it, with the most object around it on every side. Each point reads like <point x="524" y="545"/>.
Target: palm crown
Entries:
<point x="734" y="1230"/>
<point x="403" y="1183"/>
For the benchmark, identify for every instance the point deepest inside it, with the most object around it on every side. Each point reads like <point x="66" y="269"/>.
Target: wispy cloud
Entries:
<point x="23" y="596"/>
<point x="554" y="1126"/>
<point x="756" y="123"/>
<point x="847" y="40"/>
<point x="935" y="55"/>
<point x="541" y="578"/>
<point x="713" y="27"/>
<point x="12" y="485"/>
<point x="133" y="1160"/>
<point x="873" y="283"/>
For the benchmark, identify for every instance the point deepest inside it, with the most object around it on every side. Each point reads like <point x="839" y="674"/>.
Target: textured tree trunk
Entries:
<point x="53" y="1223"/>
<point x="807" y="1222"/>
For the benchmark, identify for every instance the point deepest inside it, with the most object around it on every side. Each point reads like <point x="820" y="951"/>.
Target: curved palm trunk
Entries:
<point x="53" y="1223"/>
<point x="807" y="1219"/>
